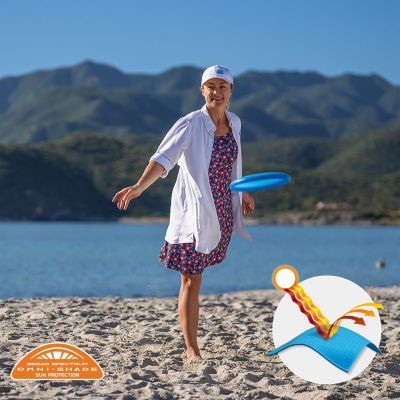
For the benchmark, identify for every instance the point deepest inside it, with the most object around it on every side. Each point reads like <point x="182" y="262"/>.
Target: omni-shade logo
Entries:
<point x="57" y="361"/>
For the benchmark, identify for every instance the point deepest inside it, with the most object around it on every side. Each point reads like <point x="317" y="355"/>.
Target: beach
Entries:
<point x="138" y="344"/>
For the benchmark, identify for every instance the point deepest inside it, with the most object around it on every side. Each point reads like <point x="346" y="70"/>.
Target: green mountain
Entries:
<point x="373" y="154"/>
<point x="60" y="111"/>
<point x="46" y="105"/>
<point x="71" y="137"/>
<point x="40" y="185"/>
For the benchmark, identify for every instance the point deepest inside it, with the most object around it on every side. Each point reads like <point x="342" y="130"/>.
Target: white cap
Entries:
<point x="217" y="71"/>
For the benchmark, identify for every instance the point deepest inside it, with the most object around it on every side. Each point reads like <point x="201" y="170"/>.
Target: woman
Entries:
<point x="204" y="211"/>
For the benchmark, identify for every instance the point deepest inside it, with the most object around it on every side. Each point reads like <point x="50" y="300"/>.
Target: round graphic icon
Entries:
<point x="334" y="296"/>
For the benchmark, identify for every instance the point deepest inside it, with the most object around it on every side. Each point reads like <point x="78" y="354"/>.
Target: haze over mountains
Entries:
<point x="91" y="97"/>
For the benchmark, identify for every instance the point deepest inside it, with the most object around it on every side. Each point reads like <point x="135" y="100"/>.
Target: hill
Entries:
<point x="75" y="178"/>
<point x="373" y="154"/>
<point x="46" y="105"/>
<point x="39" y="185"/>
<point x="60" y="111"/>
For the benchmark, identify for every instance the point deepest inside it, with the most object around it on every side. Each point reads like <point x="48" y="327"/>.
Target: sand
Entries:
<point x="137" y="342"/>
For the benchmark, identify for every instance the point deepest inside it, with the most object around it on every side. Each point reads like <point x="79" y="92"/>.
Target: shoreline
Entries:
<point x="284" y="218"/>
<point x="138" y="344"/>
<point x="169" y="297"/>
<point x="273" y="221"/>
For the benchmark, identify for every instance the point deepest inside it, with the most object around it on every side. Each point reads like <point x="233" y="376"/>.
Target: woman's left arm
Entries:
<point x="247" y="203"/>
<point x="247" y="198"/>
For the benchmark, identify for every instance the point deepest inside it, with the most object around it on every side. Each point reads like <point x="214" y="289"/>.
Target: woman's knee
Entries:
<point x="191" y="282"/>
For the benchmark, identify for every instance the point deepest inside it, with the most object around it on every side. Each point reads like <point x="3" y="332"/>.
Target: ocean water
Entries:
<point x="106" y="258"/>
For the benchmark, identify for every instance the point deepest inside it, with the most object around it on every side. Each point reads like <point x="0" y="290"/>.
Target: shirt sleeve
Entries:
<point x="238" y="124"/>
<point x="172" y="146"/>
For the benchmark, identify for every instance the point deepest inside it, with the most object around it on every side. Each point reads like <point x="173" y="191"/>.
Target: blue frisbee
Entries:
<point x="262" y="181"/>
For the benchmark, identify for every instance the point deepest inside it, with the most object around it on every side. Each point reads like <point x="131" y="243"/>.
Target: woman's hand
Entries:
<point x="124" y="196"/>
<point x="247" y="203"/>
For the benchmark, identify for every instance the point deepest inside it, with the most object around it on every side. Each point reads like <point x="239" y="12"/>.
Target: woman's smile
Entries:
<point x="216" y="92"/>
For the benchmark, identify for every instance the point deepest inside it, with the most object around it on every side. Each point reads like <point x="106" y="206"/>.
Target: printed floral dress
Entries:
<point x="183" y="256"/>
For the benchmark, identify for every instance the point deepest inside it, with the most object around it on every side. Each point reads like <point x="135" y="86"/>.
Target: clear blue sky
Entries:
<point x="332" y="37"/>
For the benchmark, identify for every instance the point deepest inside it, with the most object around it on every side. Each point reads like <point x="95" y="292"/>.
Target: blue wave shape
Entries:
<point x="342" y="349"/>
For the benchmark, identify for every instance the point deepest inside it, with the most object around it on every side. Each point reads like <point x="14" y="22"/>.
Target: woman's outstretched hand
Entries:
<point x="152" y="172"/>
<point x="124" y="196"/>
<point x="247" y="203"/>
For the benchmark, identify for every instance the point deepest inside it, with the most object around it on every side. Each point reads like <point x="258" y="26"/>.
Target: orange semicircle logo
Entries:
<point x="57" y="361"/>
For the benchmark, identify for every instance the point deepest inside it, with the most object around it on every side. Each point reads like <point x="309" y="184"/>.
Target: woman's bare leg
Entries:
<point x="188" y="307"/>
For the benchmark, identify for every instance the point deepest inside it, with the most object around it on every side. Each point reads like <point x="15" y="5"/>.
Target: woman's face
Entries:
<point x="216" y="92"/>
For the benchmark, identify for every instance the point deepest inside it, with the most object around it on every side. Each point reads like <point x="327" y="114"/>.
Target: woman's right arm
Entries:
<point x="164" y="159"/>
<point x="152" y="172"/>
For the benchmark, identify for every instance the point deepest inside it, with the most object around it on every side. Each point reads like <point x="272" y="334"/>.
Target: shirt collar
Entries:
<point x="211" y="128"/>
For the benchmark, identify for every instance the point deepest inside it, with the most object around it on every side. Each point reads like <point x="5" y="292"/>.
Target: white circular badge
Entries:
<point x="334" y="296"/>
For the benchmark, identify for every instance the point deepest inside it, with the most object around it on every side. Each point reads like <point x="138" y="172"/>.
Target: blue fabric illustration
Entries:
<point x="342" y="349"/>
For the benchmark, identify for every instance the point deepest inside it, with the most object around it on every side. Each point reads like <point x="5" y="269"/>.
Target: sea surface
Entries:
<point x="107" y="258"/>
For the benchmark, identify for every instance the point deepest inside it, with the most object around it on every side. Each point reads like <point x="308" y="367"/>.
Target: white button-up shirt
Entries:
<point x="189" y="144"/>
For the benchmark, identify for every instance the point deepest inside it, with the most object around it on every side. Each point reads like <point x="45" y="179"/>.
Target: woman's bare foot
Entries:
<point x="194" y="358"/>
<point x="193" y="354"/>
